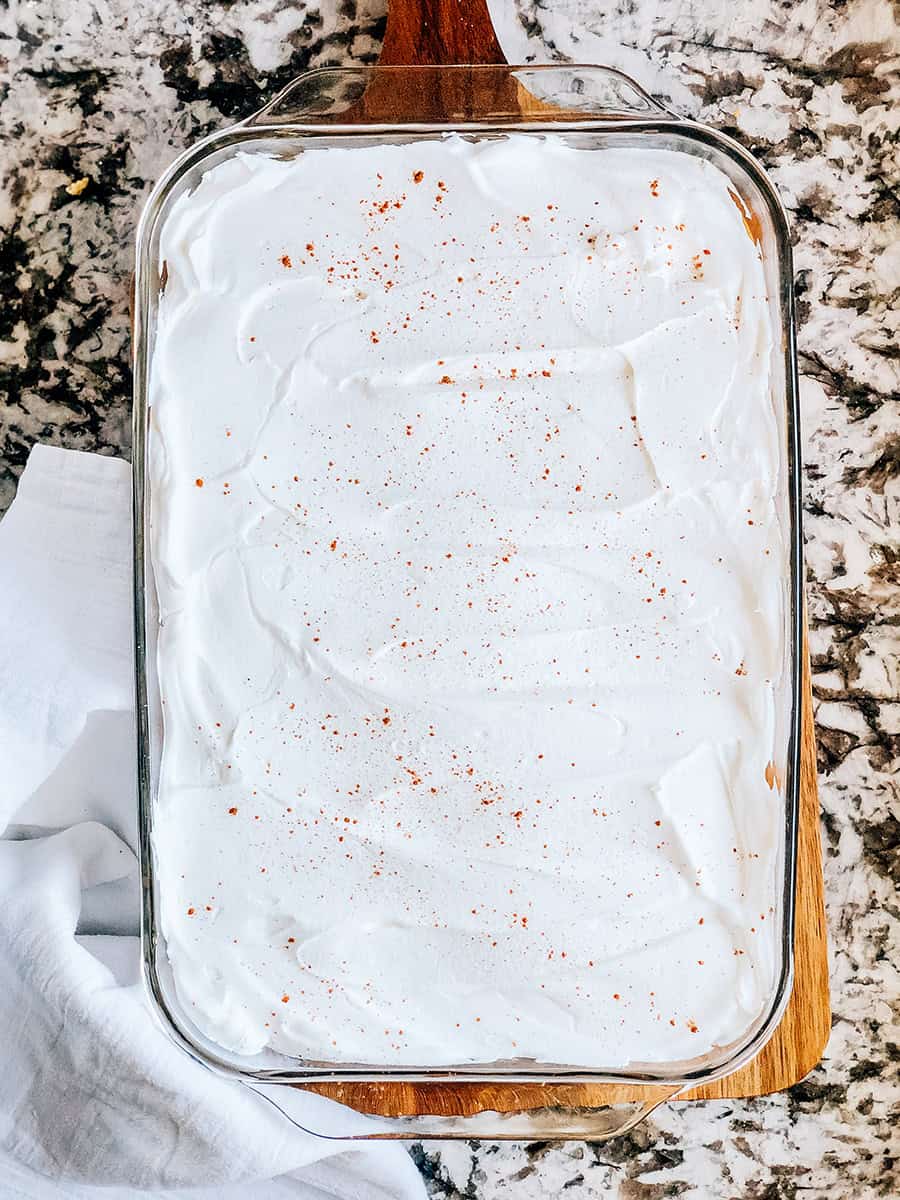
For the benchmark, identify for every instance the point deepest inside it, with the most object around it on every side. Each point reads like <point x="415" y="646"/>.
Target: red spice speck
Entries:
<point x="198" y="483"/>
<point x="285" y="999"/>
<point x="418" y="176"/>
<point x="232" y="812"/>
<point x="286" y="261"/>
<point x="191" y="911"/>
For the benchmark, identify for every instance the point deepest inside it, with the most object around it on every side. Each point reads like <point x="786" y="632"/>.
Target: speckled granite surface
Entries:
<point x="108" y="91"/>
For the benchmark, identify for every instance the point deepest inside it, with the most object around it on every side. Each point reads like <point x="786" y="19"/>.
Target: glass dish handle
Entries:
<point x="442" y="63"/>
<point x="319" y="1117"/>
<point x="493" y="94"/>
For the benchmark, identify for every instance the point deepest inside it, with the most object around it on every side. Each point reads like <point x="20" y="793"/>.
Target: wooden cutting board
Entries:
<point x="434" y="32"/>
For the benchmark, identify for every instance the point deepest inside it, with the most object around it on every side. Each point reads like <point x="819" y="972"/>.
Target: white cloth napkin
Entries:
<point x="94" y="1098"/>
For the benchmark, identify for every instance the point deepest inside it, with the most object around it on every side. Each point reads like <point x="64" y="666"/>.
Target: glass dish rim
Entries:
<point x="152" y="940"/>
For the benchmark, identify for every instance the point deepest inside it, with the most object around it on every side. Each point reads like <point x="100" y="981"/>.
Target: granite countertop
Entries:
<point x="97" y="97"/>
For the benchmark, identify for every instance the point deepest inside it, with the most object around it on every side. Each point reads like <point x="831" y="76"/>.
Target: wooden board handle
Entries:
<point x="438" y="33"/>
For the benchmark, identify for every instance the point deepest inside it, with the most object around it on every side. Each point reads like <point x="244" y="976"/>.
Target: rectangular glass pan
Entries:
<point x="594" y="107"/>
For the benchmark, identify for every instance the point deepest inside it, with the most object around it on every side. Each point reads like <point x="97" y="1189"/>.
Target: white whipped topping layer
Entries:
<point x="472" y="605"/>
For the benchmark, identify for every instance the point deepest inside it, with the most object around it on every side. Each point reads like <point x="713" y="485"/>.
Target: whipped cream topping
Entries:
<point x="464" y="472"/>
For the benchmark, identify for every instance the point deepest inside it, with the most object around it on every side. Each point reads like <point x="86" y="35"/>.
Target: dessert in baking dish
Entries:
<point x="472" y="589"/>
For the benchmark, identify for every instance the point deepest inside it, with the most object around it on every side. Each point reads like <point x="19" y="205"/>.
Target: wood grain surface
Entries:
<point x="425" y="33"/>
<point x="434" y="32"/>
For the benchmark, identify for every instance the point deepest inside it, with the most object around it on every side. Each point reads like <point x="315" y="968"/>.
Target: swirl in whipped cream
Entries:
<point x="464" y="468"/>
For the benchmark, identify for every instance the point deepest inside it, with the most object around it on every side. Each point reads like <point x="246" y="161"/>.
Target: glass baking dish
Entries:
<point x="595" y="107"/>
